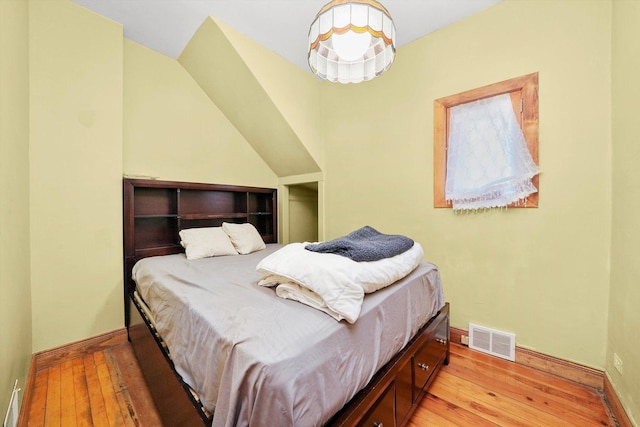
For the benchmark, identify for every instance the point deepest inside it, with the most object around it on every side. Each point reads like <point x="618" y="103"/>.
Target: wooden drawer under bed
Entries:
<point x="428" y="357"/>
<point x="403" y="381"/>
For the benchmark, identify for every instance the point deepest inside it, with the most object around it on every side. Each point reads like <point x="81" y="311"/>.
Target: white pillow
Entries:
<point x="244" y="237"/>
<point x="206" y="242"/>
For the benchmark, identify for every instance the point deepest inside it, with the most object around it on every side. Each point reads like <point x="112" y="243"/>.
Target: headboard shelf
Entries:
<point x="158" y="250"/>
<point x="156" y="216"/>
<point x="213" y="216"/>
<point x="155" y="212"/>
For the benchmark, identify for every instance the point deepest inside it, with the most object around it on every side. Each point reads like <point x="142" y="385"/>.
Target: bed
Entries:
<point x="372" y="372"/>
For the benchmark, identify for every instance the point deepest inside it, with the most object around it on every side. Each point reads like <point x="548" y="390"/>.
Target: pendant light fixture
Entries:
<point x="351" y="41"/>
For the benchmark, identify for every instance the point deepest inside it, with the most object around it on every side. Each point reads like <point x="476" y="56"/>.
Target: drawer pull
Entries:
<point x="423" y="366"/>
<point x="441" y="341"/>
<point x="377" y="424"/>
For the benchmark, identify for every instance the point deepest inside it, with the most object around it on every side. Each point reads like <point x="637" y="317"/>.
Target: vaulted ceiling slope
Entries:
<point x="247" y="67"/>
<point x="272" y="103"/>
<point x="280" y="25"/>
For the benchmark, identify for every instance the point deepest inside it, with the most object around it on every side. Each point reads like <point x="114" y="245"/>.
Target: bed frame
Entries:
<point x="154" y="213"/>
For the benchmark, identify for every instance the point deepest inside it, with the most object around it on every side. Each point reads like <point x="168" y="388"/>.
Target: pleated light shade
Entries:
<point x="351" y="41"/>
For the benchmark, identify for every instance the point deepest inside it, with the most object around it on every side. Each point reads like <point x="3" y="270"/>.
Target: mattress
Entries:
<point x="257" y="359"/>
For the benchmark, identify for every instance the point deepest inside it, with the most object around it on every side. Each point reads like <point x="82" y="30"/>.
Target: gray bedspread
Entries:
<point x="259" y="360"/>
<point x="364" y="244"/>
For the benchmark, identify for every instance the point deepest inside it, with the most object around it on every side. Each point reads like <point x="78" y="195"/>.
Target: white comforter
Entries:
<point x="332" y="283"/>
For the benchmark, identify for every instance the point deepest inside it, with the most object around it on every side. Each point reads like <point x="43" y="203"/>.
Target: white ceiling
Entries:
<point x="280" y="25"/>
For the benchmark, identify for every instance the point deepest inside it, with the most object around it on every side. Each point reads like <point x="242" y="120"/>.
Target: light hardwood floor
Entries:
<point x="105" y="388"/>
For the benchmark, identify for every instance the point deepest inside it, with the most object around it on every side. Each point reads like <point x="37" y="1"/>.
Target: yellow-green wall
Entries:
<point x="295" y="92"/>
<point x="173" y="131"/>
<point x="75" y="60"/>
<point x="99" y="106"/>
<point x="624" y="314"/>
<point x="220" y="69"/>
<point x="15" y="290"/>
<point x="540" y="273"/>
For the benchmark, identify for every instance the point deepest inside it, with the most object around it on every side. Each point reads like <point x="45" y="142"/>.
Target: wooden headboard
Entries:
<point x="154" y="212"/>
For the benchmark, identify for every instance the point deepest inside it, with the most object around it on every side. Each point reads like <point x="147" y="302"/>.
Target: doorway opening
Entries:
<point x="302" y="206"/>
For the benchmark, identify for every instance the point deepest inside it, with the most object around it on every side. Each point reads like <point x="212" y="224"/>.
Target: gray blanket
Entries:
<point x="364" y="244"/>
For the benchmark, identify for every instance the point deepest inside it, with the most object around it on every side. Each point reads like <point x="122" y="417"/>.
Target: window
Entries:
<point x="523" y="92"/>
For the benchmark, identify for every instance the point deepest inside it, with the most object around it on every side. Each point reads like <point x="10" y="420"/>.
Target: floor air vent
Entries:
<point x="491" y="341"/>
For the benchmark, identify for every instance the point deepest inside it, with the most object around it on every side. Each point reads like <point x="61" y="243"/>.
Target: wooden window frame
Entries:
<point x="523" y="91"/>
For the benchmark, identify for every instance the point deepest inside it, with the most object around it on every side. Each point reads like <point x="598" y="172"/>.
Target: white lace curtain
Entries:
<point x="488" y="163"/>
